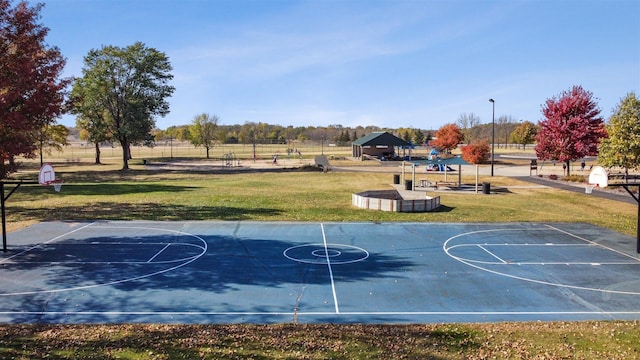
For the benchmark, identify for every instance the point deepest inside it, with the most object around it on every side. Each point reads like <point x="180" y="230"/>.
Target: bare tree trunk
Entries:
<point x="97" y="154"/>
<point x="125" y="153"/>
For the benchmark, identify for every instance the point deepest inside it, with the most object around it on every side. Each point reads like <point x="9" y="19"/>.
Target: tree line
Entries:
<point x="206" y="131"/>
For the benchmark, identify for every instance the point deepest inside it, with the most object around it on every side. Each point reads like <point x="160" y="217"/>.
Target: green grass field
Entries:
<point x="92" y="192"/>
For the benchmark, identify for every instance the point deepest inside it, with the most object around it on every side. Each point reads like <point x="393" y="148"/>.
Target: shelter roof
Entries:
<point x="380" y="138"/>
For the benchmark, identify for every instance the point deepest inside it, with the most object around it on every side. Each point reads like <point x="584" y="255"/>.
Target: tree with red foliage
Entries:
<point x="476" y="153"/>
<point x="448" y="137"/>
<point x="31" y="91"/>
<point x="572" y="127"/>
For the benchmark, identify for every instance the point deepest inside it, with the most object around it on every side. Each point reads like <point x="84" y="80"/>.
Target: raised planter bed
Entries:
<point x="391" y="200"/>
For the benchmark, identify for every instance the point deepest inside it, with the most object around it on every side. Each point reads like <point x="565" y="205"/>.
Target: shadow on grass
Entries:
<point x="140" y="211"/>
<point x="444" y="209"/>
<point x="112" y="189"/>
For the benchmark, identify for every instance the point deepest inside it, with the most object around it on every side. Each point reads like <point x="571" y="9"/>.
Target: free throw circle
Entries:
<point x="321" y="254"/>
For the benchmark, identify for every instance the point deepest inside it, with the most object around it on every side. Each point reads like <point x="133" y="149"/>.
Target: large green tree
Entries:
<point x="31" y="89"/>
<point x="91" y="116"/>
<point x="572" y="127"/>
<point x="203" y="131"/>
<point x="622" y="147"/>
<point x="131" y="86"/>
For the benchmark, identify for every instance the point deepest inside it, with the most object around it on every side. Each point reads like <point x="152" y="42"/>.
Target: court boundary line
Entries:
<point x="345" y="313"/>
<point x="323" y="313"/>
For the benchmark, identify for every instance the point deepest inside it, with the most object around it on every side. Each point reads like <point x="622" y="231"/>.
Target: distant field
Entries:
<point x="80" y="151"/>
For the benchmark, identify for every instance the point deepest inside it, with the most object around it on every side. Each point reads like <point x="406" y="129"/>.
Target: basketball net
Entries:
<point x="57" y="185"/>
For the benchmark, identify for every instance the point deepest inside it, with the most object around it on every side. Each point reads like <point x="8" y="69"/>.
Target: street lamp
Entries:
<point x="493" y="132"/>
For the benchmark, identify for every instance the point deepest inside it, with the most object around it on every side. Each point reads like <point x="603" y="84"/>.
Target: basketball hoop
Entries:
<point x="589" y="188"/>
<point x="47" y="176"/>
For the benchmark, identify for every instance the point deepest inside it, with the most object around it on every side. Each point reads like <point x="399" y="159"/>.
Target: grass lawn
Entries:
<point x="93" y="192"/>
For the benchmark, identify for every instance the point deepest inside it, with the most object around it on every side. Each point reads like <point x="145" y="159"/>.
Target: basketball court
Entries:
<point x="276" y="272"/>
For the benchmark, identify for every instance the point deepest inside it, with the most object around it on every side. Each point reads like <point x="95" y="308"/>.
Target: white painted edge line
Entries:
<point x="324" y="313"/>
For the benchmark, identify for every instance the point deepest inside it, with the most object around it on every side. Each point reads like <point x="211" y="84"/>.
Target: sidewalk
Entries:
<point x="599" y="193"/>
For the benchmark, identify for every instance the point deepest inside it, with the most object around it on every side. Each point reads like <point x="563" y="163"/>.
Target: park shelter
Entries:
<point x="377" y="144"/>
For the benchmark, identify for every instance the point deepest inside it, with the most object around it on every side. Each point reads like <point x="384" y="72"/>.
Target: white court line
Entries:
<point x="468" y="262"/>
<point x="326" y="253"/>
<point x="159" y="252"/>
<point x="46" y="242"/>
<point x="187" y="261"/>
<point x="558" y="245"/>
<point x="591" y="242"/>
<point x="317" y="313"/>
<point x="492" y="254"/>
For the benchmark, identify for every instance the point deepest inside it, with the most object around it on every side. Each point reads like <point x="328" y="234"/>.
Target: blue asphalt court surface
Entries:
<point x="277" y="272"/>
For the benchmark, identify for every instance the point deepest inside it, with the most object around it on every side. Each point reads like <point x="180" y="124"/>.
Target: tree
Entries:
<point x="91" y="117"/>
<point x="31" y="89"/>
<point x="571" y="129"/>
<point x="622" y="147"/>
<point x="524" y="134"/>
<point x="448" y="137"/>
<point x="504" y="127"/>
<point x="52" y="137"/>
<point x="131" y="86"/>
<point x="418" y="137"/>
<point x="476" y="153"/>
<point x="467" y="122"/>
<point x="406" y="134"/>
<point x="203" y="131"/>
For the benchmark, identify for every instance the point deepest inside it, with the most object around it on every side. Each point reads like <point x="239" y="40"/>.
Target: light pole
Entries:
<point x="493" y="132"/>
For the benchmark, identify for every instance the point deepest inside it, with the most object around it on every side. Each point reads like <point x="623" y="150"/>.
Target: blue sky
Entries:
<point x="402" y="63"/>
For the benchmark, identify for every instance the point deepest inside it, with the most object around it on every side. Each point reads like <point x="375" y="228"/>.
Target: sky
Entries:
<point x="388" y="63"/>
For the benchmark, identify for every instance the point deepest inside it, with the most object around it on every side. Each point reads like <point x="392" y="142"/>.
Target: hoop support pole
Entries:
<point x="637" y="199"/>
<point x="3" y="199"/>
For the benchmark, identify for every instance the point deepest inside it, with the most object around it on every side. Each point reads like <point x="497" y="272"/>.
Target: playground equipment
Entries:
<point x="230" y="159"/>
